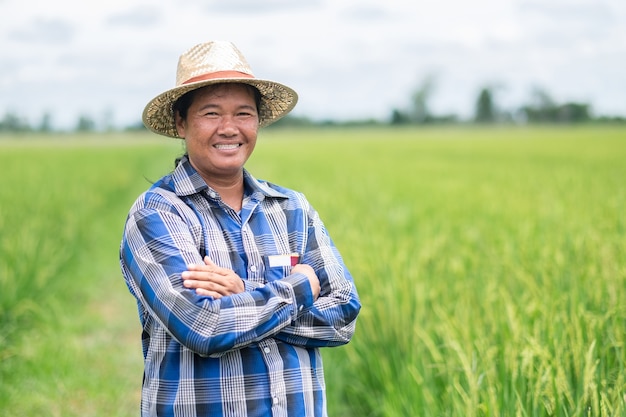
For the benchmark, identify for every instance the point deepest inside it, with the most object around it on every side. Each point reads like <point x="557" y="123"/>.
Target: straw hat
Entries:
<point x="212" y="63"/>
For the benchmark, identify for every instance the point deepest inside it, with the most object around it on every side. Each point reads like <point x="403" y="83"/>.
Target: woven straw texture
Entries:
<point x="206" y="59"/>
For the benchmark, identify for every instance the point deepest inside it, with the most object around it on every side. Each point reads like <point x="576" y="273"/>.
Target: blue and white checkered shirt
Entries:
<point x="249" y="354"/>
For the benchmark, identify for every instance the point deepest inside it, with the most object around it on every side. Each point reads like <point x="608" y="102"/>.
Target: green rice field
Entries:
<point x="491" y="265"/>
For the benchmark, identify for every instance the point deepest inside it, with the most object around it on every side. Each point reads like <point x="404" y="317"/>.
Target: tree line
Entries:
<point x="542" y="109"/>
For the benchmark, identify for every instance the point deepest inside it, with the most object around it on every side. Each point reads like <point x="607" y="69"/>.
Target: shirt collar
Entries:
<point x="188" y="181"/>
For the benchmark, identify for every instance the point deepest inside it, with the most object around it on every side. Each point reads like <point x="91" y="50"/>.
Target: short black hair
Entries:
<point x="181" y="106"/>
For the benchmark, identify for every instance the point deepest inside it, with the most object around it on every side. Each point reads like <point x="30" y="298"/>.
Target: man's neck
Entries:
<point x="231" y="192"/>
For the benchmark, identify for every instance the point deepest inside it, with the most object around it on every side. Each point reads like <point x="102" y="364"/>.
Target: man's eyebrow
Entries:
<point x="217" y="106"/>
<point x="208" y="105"/>
<point x="248" y="106"/>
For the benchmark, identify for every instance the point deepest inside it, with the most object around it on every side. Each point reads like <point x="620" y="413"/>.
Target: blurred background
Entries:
<point x="500" y="235"/>
<point x="94" y="65"/>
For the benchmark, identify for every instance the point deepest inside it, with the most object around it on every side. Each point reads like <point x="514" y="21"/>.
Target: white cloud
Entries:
<point x="345" y="58"/>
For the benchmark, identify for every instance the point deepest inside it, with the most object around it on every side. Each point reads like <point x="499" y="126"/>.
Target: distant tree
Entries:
<point x="541" y="99"/>
<point x="45" y="126"/>
<point x="136" y="127"/>
<point x="108" y="120"/>
<point x="85" y="124"/>
<point x="611" y="119"/>
<point x="292" y="121"/>
<point x="574" y="113"/>
<point x="399" y="117"/>
<point x="420" y="113"/>
<point x="13" y="123"/>
<point x="485" y="108"/>
<point x="445" y="119"/>
<point x="543" y="109"/>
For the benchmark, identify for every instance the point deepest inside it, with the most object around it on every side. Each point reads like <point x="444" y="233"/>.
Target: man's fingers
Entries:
<point x="209" y="266"/>
<point x="203" y="267"/>
<point x="210" y="279"/>
<point x="207" y="293"/>
<point x="206" y="287"/>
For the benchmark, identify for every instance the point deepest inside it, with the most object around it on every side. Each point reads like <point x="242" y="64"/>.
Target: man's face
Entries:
<point x="220" y="130"/>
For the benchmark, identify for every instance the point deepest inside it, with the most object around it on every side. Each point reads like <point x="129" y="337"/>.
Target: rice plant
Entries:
<point x="490" y="263"/>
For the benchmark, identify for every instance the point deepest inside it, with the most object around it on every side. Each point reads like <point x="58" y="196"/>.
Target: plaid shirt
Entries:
<point x="249" y="354"/>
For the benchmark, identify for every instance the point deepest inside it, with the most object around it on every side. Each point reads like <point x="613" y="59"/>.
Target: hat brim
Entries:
<point x="276" y="101"/>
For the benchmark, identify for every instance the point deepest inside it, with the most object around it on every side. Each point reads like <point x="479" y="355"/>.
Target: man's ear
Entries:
<point x="180" y="124"/>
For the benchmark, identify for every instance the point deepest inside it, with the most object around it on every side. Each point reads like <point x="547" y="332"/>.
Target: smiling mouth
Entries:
<point x="227" y="146"/>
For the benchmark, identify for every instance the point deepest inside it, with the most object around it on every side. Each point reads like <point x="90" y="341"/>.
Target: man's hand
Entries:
<point x="212" y="280"/>
<point x="310" y="273"/>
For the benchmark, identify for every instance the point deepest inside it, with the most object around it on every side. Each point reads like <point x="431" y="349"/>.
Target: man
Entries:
<point x="237" y="281"/>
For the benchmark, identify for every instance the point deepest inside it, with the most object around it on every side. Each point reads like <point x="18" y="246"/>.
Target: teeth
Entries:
<point x="228" y="146"/>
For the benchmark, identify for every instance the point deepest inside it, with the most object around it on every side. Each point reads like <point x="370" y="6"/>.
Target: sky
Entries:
<point x="347" y="59"/>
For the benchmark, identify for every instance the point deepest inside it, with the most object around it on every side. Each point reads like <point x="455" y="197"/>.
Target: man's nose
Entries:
<point x="227" y="125"/>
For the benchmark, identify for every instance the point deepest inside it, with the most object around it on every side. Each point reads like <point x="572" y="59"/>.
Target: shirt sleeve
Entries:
<point x="331" y="320"/>
<point x="156" y="248"/>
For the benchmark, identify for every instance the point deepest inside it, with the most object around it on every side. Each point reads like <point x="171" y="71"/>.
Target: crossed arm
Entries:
<point x="211" y="280"/>
<point x="305" y="308"/>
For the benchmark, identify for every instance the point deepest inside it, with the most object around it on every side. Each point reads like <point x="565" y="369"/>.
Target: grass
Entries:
<point x="490" y="263"/>
<point x="70" y="344"/>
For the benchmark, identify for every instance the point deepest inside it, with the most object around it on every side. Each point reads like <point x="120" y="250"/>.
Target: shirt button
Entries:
<point x="275" y="399"/>
<point x="300" y="308"/>
<point x="253" y="268"/>
<point x="213" y="195"/>
<point x="266" y="350"/>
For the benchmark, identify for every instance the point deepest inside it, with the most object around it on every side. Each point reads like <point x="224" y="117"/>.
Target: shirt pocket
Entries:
<point x="279" y="266"/>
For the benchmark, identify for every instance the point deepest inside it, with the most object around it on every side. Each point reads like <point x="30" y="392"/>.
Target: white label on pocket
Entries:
<point x="283" y="260"/>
